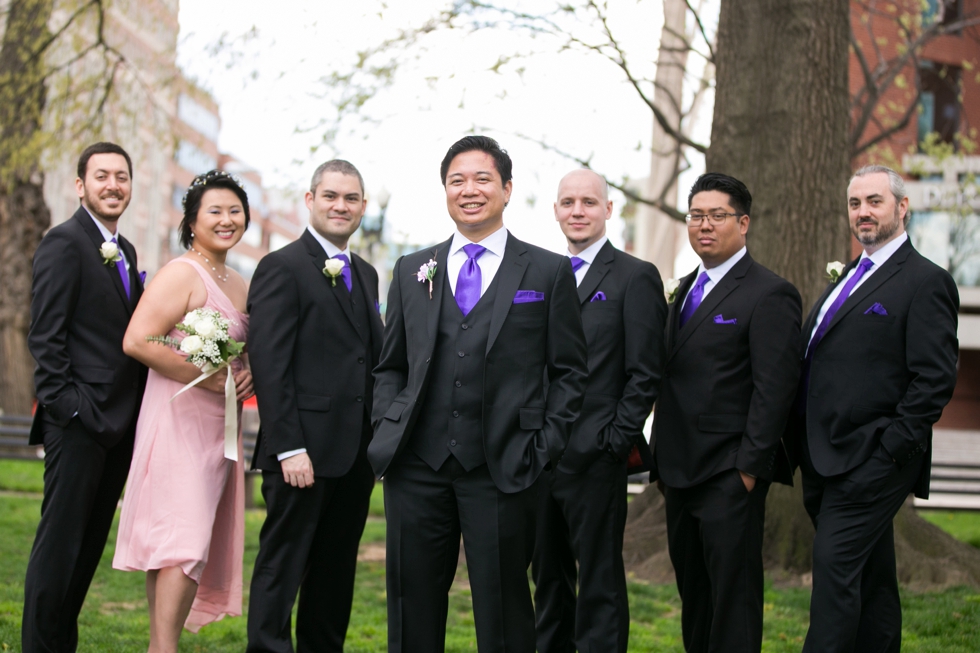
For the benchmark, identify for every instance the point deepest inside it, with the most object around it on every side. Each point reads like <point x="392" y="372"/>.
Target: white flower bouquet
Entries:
<point x="206" y="341"/>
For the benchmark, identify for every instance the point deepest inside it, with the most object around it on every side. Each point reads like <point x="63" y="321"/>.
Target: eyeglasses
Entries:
<point x="695" y="219"/>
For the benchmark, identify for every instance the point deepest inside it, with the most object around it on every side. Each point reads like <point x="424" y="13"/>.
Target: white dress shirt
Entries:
<point x="108" y="235"/>
<point x="587" y="255"/>
<point x="878" y="258"/>
<point x="489" y="261"/>
<point x="715" y="274"/>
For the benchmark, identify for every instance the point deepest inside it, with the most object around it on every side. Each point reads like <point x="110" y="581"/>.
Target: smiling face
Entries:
<point x="582" y="209"/>
<point x="107" y="187"/>
<point x="875" y="216"/>
<point x="220" y="222"/>
<point x="336" y="206"/>
<point x="475" y="195"/>
<point x="715" y="244"/>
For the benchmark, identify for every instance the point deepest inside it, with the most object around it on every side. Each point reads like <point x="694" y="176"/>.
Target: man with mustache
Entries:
<point x="86" y="285"/>
<point x="879" y="354"/>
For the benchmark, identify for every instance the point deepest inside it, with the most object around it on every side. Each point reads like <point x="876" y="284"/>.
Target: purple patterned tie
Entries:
<point x="121" y="267"/>
<point x="576" y="263"/>
<point x="345" y="273"/>
<point x="469" y="283"/>
<point x="694" y="298"/>
<point x="862" y="267"/>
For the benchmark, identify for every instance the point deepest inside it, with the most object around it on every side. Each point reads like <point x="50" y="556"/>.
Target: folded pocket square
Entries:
<point x="719" y="319"/>
<point x="598" y="297"/>
<point x="876" y="308"/>
<point x="528" y="296"/>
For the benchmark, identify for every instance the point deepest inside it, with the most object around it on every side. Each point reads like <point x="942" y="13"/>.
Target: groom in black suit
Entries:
<point x="879" y="354"/>
<point x="727" y="389"/>
<point x="581" y="511"/>
<point x="86" y="285"/>
<point x="465" y="420"/>
<point x="314" y="336"/>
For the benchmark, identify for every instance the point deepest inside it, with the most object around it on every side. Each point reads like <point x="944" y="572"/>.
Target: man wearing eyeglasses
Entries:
<point x="726" y="392"/>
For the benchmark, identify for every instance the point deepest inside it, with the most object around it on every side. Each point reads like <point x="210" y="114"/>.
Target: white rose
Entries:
<point x="205" y="328"/>
<point x="109" y="250"/>
<point x="671" y="286"/>
<point x="190" y="319"/>
<point x="834" y="268"/>
<point x="333" y="267"/>
<point x="191" y="345"/>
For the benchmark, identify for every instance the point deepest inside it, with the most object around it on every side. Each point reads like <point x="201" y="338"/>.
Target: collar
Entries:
<point x="885" y="253"/>
<point x="106" y="234"/>
<point x="719" y="271"/>
<point x="495" y="242"/>
<point x="589" y="253"/>
<point x="328" y="247"/>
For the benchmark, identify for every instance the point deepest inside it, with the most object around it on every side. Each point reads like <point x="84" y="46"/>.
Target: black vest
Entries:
<point x="451" y="419"/>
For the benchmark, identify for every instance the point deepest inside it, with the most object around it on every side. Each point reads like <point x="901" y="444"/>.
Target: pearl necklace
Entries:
<point x="213" y="269"/>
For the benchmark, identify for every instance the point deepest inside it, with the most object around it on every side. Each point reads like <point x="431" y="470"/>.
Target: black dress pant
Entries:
<point x="309" y="544"/>
<point x="581" y="519"/>
<point x="82" y="484"/>
<point x="855" y="604"/>
<point x="714" y="534"/>
<point x="427" y="511"/>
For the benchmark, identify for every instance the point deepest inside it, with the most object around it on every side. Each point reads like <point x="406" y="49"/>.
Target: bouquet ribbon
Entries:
<point x="231" y="407"/>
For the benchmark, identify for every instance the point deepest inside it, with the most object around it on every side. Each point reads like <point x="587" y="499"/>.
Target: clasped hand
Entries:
<point x="243" y="383"/>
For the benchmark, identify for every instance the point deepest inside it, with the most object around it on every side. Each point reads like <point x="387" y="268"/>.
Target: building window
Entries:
<point x="945" y="12"/>
<point x="190" y="157"/>
<point x="939" y="103"/>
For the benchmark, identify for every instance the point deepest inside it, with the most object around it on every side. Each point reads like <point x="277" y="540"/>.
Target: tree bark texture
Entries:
<point x="24" y="216"/>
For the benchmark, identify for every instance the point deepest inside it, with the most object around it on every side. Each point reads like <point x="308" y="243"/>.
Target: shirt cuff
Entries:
<point x="289" y="454"/>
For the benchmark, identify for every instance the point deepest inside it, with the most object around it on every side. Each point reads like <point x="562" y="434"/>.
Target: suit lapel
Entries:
<point x="135" y="286"/>
<point x="359" y="265"/>
<point x="318" y="258"/>
<point x="440" y="254"/>
<point x="815" y="311"/>
<point x="880" y="276"/>
<point x="597" y="270"/>
<point x="675" y="309"/>
<point x="88" y="226"/>
<point x="724" y="287"/>
<point x="510" y="274"/>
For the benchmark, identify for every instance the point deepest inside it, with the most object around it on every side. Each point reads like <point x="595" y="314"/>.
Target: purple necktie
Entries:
<point x="469" y="283"/>
<point x="576" y="263"/>
<point x="694" y="298"/>
<point x="862" y="267"/>
<point x="345" y="273"/>
<point x="121" y="266"/>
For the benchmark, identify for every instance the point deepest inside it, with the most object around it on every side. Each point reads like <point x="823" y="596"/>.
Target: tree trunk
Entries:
<point x="23" y="213"/>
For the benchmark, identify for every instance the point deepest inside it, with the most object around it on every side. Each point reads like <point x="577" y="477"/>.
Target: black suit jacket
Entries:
<point x="882" y="379"/>
<point x="525" y="423"/>
<point x="308" y="357"/>
<point x="727" y="389"/>
<point x="624" y="334"/>
<point x="79" y="314"/>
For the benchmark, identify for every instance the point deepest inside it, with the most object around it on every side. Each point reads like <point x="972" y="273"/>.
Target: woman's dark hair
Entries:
<point x="192" y="200"/>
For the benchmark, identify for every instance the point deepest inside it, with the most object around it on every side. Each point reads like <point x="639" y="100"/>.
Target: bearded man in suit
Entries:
<point x="728" y="386"/>
<point x="314" y="336"/>
<point x="581" y="513"/>
<point x="86" y="285"/>
<point x="879" y="354"/>
<point x="464" y="421"/>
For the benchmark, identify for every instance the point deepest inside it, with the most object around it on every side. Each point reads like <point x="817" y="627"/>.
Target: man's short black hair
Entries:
<point x="484" y="144"/>
<point x="739" y="196"/>
<point x="101" y="148"/>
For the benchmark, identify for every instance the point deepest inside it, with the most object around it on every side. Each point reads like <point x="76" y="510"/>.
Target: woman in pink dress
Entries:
<point x="183" y="512"/>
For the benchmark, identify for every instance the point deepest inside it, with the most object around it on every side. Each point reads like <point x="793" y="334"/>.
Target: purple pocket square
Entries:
<point x="598" y="297"/>
<point x="377" y="306"/>
<point x="719" y="319"/>
<point x="877" y="309"/>
<point x="142" y="277"/>
<point x="528" y="296"/>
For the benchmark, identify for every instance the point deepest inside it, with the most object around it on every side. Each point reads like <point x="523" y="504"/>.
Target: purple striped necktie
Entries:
<point x="576" y="263"/>
<point x="694" y="298"/>
<point x="862" y="267"/>
<point x="469" y="283"/>
<point x="121" y="267"/>
<point x="345" y="273"/>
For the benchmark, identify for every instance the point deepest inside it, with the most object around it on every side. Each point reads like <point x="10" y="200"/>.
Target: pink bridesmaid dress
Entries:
<point x="185" y="502"/>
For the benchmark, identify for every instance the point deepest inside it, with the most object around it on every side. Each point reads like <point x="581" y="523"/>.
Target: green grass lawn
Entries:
<point x="114" y="618"/>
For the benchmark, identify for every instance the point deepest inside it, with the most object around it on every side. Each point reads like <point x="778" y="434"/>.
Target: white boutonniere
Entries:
<point x="670" y="290"/>
<point x="427" y="272"/>
<point x="110" y="252"/>
<point x="834" y="269"/>
<point x="332" y="269"/>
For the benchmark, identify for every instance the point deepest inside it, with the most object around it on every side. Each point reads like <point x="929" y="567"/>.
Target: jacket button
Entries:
<point x="455" y="413"/>
<point x="458" y="384"/>
<point x="360" y="360"/>
<point x="359" y="398"/>
<point x="466" y="326"/>
<point x="461" y="354"/>
<point x="452" y="443"/>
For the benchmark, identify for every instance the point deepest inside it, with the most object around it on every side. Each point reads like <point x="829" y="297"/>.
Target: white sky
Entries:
<point x="268" y="88"/>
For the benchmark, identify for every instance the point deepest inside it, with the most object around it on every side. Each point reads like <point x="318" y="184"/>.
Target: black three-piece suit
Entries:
<point x="582" y="503"/>
<point x="464" y="424"/>
<point x="311" y="346"/>
<point x="862" y="431"/>
<point x="88" y="396"/>
<point x="727" y="388"/>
